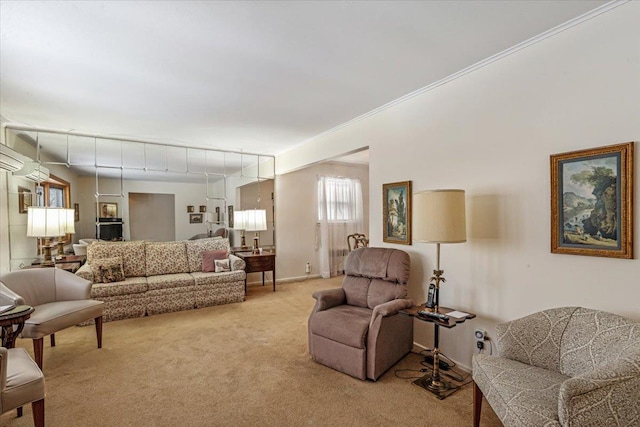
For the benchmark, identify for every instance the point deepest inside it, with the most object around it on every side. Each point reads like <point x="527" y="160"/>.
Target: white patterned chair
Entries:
<point x="566" y="366"/>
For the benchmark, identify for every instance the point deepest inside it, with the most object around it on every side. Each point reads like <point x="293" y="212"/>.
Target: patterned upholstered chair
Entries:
<point x="357" y="329"/>
<point x="562" y="367"/>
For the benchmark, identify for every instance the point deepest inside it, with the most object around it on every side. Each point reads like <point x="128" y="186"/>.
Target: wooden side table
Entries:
<point x="14" y="317"/>
<point x="256" y="263"/>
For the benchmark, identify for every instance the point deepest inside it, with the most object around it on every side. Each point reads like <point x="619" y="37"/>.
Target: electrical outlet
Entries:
<point x="307" y="268"/>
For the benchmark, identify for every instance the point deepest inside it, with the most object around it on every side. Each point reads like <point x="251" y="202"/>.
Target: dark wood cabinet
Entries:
<point x="256" y="263"/>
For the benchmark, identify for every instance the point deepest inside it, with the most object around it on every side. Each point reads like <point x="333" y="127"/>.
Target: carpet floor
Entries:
<point x="243" y="364"/>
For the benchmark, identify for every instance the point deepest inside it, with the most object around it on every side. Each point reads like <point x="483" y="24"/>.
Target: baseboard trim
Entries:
<point x="458" y="364"/>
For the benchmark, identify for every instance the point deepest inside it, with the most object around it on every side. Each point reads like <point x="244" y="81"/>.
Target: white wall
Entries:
<point x="185" y="194"/>
<point x="491" y="132"/>
<point x="297" y="215"/>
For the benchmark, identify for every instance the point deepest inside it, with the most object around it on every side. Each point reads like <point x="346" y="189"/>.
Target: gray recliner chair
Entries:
<point x="357" y="329"/>
<point x="60" y="299"/>
<point x="567" y="366"/>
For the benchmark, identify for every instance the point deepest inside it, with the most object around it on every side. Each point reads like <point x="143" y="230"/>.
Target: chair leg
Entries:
<point x="38" y="413"/>
<point x="99" y="330"/>
<point x="53" y="340"/>
<point x="38" y="350"/>
<point x="477" y="404"/>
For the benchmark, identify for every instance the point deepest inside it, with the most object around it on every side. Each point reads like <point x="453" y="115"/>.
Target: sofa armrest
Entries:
<point x="85" y="272"/>
<point x="608" y="393"/>
<point x="328" y="298"/>
<point x="70" y="287"/>
<point x="8" y="297"/>
<point x="236" y="262"/>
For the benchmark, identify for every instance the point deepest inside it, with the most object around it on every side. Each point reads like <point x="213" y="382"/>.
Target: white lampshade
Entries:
<point x="256" y="220"/>
<point x="44" y="222"/>
<point x="239" y="220"/>
<point x="67" y="221"/>
<point x="439" y="216"/>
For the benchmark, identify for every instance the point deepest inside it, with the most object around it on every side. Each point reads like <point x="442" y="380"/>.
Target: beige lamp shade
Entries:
<point x="439" y="216"/>
<point x="44" y="222"/>
<point x="239" y="220"/>
<point x="256" y="220"/>
<point x="67" y="221"/>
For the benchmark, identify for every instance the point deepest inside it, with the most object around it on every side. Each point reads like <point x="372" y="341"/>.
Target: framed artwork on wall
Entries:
<point x="108" y="210"/>
<point x="195" y="218"/>
<point x="230" y="215"/>
<point x="76" y="213"/>
<point x="24" y="199"/>
<point x="592" y="202"/>
<point x="396" y="212"/>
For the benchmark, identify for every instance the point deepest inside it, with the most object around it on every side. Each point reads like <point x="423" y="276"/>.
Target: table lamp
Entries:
<point x="439" y="217"/>
<point x="239" y="223"/>
<point x="44" y="223"/>
<point x="256" y="220"/>
<point x="67" y="226"/>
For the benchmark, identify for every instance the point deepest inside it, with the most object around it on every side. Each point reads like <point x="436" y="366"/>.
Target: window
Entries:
<point x="55" y="193"/>
<point x="339" y="199"/>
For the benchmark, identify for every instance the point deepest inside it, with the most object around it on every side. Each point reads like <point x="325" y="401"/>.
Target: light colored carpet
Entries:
<point x="241" y="364"/>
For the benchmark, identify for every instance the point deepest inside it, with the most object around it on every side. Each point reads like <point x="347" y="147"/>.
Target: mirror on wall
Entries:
<point x="104" y="171"/>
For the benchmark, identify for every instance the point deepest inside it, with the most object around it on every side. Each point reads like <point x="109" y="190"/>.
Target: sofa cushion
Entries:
<point x="165" y="281"/>
<point x="130" y="285"/>
<point x="344" y="324"/>
<point x="209" y="259"/>
<point x="107" y="270"/>
<point x="166" y="258"/>
<point x="195" y="248"/>
<point x="132" y="253"/>
<point x="520" y="394"/>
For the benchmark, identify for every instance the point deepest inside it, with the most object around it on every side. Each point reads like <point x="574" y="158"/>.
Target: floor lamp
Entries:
<point x="439" y="217"/>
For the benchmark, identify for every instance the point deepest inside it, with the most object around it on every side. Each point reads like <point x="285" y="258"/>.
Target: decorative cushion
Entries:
<point x="166" y="258"/>
<point x="196" y="247"/>
<point x="107" y="270"/>
<point x="132" y="253"/>
<point x="222" y="265"/>
<point x="209" y="258"/>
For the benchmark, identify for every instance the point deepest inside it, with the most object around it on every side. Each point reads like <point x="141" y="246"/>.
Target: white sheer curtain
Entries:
<point x="340" y="213"/>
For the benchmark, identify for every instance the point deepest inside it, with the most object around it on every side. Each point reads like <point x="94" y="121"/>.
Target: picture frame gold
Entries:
<point x="195" y="218"/>
<point x="592" y="202"/>
<point x="24" y="199"/>
<point x="396" y="212"/>
<point x="108" y="210"/>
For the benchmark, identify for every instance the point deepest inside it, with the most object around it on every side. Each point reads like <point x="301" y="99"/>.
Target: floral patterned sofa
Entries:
<point x="161" y="277"/>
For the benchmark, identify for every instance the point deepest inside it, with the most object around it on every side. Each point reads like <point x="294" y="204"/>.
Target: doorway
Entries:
<point x="160" y="208"/>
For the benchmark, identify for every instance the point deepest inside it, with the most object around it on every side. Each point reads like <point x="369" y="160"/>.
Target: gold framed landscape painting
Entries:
<point x="592" y="202"/>
<point x="396" y="212"/>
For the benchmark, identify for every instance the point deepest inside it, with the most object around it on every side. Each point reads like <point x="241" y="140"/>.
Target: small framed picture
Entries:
<point x="203" y="208"/>
<point x="230" y="216"/>
<point x="591" y="202"/>
<point x="195" y="218"/>
<point x="108" y="210"/>
<point x="24" y="200"/>
<point x="396" y="212"/>
<point x="76" y="209"/>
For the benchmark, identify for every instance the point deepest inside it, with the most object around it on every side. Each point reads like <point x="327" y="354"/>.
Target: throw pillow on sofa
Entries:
<point x="222" y="265"/>
<point x="209" y="259"/>
<point x="107" y="270"/>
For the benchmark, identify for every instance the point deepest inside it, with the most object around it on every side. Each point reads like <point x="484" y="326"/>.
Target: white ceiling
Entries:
<point x="255" y="76"/>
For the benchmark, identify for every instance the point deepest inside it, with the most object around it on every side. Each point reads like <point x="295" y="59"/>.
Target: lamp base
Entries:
<point x="441" y="389"/>
<point x="256" y="249"/>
